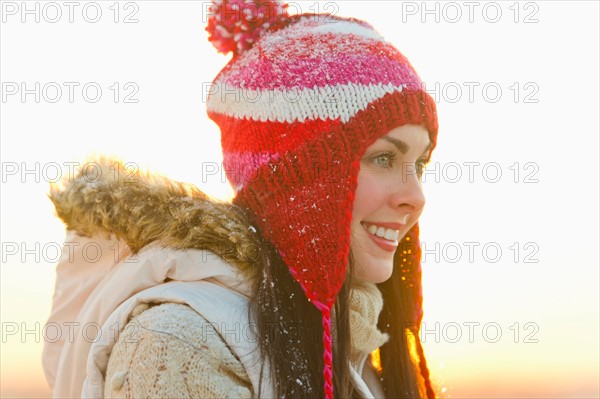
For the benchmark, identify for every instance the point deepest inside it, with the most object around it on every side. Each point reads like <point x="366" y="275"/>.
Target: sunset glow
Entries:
<point x="510" y="271"/>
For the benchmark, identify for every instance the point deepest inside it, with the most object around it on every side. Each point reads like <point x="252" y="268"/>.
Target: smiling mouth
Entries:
<point x="387" y="234"/>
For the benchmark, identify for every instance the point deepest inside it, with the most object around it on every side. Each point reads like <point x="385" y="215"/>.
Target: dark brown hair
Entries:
<point x="289" y="332"/>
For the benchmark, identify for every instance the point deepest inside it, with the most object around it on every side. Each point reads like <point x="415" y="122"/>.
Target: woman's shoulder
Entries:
<point x="176" y="320"/>
<point x="170" y="350"/>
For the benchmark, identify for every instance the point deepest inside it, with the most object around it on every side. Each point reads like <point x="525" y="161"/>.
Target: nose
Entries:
<point x="407" y="193"/>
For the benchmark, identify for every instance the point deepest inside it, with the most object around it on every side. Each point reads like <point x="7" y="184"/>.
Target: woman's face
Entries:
<point x="389" y="199"/>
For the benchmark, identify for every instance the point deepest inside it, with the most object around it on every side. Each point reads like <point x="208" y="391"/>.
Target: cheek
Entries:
<point x="369" y="193"/>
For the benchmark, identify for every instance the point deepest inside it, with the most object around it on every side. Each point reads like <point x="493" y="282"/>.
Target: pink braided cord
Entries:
<point x="327" y="351"/>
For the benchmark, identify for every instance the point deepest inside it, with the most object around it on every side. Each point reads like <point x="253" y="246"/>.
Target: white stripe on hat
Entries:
<point x="328" y="102"/>
<point x="312" y="24"/>
<point x="345" y="27"/>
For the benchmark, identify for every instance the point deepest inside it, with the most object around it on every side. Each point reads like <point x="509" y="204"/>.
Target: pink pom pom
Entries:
<point x="234" y="25"/>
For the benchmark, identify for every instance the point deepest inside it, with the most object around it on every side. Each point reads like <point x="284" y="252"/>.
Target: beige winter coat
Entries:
<point x="172" y="265"/>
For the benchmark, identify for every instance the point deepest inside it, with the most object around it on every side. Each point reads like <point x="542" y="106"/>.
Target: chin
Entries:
<point x="377" y="276"/>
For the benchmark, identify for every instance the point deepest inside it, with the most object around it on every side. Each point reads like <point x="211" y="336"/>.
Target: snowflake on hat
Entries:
<point x="234" y="25"/>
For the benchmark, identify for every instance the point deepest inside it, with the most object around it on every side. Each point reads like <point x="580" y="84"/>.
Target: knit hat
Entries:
<point x="298" y="104"/>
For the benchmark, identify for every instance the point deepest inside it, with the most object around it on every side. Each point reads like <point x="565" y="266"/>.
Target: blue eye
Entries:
<point x="385" y="160"/>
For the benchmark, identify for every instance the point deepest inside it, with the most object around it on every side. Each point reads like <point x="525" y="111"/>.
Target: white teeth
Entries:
<point x="388" y="234"/>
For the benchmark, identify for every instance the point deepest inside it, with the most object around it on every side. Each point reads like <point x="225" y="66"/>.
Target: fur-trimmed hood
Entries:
<point x="150" y="232"/>
<point x="141" y="207"/>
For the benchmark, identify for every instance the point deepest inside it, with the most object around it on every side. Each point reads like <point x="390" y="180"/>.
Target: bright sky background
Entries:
<point x="548" y="133"/>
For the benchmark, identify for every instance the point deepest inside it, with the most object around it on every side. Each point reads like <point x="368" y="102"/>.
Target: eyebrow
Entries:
<point x="402" y="146"/>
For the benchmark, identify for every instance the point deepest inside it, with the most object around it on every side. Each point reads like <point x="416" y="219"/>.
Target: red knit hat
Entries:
<point x="298" y="104"/>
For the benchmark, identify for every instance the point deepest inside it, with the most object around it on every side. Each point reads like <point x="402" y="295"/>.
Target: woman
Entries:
<point x="309" y="276"/>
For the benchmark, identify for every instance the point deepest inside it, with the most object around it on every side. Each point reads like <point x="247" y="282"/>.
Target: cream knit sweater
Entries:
<point x="170" y="351"/>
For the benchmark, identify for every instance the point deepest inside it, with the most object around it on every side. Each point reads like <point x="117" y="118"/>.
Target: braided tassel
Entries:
<point x="327" y="351"/>
<point x="327" y="354"/>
